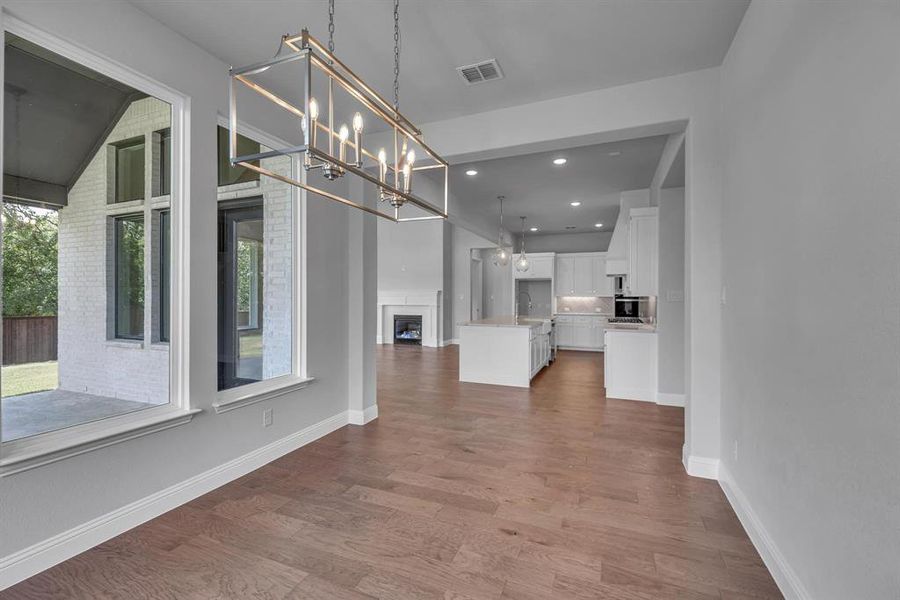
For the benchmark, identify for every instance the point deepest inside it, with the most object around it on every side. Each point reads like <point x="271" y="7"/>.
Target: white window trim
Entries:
<point x="41" y="449"/>
<point x="299" y="378"/>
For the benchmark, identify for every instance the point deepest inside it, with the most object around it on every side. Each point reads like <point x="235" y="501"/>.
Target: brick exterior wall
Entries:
<point x="89" y="359"/>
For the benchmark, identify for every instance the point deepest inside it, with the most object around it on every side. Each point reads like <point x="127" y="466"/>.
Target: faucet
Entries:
<point x="530" y="305"/>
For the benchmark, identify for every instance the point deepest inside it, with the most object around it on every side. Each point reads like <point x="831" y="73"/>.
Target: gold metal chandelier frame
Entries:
<point x="304" y="47"/>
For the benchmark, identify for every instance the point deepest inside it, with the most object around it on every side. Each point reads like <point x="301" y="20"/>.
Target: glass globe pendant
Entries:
<point x="502" y="254"/>
<point x="522" y="261"/>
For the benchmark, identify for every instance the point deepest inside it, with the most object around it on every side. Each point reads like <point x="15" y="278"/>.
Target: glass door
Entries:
<point x="241" y="261"/>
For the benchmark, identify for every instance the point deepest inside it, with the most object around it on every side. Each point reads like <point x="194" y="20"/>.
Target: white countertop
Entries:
<point x="507" y="321"/>
<point x="583" y="314"/>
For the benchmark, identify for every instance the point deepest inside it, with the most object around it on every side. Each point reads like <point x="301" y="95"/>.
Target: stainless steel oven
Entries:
<point x="627" y="306"/>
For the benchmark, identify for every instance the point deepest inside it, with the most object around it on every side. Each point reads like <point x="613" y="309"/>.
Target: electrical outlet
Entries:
<point x="735" y="451"/>
<point x="267" y="417"/>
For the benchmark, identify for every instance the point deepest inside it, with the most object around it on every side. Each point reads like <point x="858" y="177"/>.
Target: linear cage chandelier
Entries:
<point x="392" y="173"/>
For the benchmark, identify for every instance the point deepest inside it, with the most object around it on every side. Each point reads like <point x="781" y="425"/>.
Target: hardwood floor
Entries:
<point x="458" y="491"/>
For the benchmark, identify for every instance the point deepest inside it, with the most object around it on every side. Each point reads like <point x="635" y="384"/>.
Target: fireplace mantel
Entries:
<point x="426" y="303"/>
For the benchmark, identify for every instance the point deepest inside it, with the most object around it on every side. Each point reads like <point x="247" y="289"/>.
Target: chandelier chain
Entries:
<point x="331" y="26"/>
<point x="396" y="55"/>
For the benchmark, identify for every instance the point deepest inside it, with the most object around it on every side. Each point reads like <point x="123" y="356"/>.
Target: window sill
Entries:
<point x="123" y="343"/>
<point x="29" y="453"/>
<point x="246" y="395"/>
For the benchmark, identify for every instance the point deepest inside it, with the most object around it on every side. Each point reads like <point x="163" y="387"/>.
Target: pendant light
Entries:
<point x="501" y="254"/>
<point x="522" y="261"/>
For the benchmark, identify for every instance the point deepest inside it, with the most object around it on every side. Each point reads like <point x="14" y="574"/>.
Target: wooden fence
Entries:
<point x="29" y="339"/>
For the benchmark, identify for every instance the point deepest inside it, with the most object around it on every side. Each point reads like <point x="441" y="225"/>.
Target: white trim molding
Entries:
<point x="785" y="577"/>
<point x="252" y="393"/>
<point x="32" y="452"/>
<point x="699" y="466"/>
<point x="361" y="417"/>
<point x="43" y="555"/>
<point x="666" y="399"/>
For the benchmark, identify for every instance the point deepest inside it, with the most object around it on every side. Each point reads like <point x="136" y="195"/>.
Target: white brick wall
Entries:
<point x="88" y="360"/>
<point x="91" y="362"/>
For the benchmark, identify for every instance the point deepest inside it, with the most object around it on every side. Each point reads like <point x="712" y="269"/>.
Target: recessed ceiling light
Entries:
<point x="471" y="172"/>
<point x="533" y="229"/>
<point x="559" y="161"/>
<point x="576" y="203"/>
<point x="615" y="153"/>
<point x="570" y="227"/>
<point x="598" y="224"/>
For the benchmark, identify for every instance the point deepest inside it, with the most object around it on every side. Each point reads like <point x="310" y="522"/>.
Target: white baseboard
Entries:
<point x="361" y="417"/>
<point x="43" y="555"/>
<point x="454" y="342"/>
<point x="787" y="580"/>
<point x="665" y="399"/>
<point x="701" y="466"/>
<point x="379" y="339"/>
<point x="579" y="349"/>
<point x="630" y="394"/>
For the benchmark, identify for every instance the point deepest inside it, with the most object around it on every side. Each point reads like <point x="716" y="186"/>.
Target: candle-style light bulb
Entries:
<point x="407" y="170"/>
<point x="313" y="117"/>
<point x="343" y="134"/>
<point x="407" y="177"/>
<point x="382" y="165"/>
<point x="357" y="138"/>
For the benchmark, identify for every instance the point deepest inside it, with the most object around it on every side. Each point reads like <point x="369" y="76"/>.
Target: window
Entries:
<point x="165" y="247"/>
<point x="256" y="262"/>
<point x="129" y="273"/>
<point x="163" y="168"/>
<point x="85" y="261"/>
<point x="129" y="177"/>
<point x="229" y="175"/>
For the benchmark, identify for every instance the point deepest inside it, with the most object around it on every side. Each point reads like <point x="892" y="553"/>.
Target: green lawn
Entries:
<point x="251" y="344"/>
<point x="31" y="377"/>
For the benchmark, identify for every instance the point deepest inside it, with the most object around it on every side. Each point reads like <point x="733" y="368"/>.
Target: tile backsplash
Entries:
<point x="585" y="304"/>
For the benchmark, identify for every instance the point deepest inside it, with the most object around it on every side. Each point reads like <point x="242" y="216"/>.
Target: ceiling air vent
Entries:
<point x="487" y="70"/>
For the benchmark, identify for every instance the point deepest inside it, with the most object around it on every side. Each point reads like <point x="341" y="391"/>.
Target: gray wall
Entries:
<point x="410" y="255"/>
<point x="463" y="241"/>
<point x="46" y="501"/>
<point x="811" y="324"/>
<point x="594" y="241"/>
<point x="669" y="309"/>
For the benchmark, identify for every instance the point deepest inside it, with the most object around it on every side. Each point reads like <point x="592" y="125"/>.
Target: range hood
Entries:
<point x="617" y="253"/>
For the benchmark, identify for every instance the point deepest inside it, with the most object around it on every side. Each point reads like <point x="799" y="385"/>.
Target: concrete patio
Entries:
<point x="39" y="412"/>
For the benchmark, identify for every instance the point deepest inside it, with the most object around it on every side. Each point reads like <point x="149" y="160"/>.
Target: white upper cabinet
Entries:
<point x="603" y="285"/>
<point x="643" y="252"/>
<point x="565" y="276"/>
<point x="583" y="274"/>
<point x="540" y="266"/>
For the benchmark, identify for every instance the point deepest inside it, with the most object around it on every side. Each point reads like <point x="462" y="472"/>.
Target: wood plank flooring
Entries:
<point x="458" y="491"/>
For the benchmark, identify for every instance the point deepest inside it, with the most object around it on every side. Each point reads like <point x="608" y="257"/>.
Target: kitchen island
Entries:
<point x="504" y="350"/>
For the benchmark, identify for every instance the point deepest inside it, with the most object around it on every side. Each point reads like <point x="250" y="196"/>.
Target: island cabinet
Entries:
<point x="503" y="350"/>
<point x="582" y="274"/>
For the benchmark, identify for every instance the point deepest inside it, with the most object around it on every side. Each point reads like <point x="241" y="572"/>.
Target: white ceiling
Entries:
<point x="536" y="188"/>
<point x="546" y="48"/>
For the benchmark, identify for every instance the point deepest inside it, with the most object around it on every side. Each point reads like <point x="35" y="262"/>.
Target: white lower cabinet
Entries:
<point x="582" y="332"/>
<point x="540" y="351"/>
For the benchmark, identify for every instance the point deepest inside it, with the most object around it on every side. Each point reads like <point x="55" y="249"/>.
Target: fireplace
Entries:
<point x="408" y="329"/>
